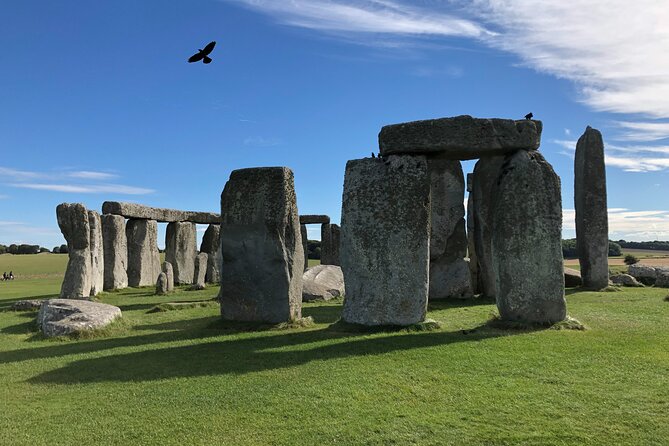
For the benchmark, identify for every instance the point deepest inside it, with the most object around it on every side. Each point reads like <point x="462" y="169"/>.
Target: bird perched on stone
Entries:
<point x="202" y="54"/>
<point x="529" y="116"/>
<point x="373" y="156"/>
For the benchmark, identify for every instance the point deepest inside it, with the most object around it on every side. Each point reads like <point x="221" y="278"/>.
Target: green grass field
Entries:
<point x="184" y="377"/>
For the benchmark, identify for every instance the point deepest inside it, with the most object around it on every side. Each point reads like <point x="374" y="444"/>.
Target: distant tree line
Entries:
<point x="654" y="245"/>
<point x="30" y="249"/>
<point x="569" y="250"/>
<point x="314" y="249"/>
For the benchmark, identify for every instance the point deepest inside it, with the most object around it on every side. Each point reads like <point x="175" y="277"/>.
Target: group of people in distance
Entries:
<point x="9" y="276"/>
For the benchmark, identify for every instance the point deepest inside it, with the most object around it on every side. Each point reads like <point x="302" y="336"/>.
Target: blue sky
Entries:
<point x="100" y="104"/>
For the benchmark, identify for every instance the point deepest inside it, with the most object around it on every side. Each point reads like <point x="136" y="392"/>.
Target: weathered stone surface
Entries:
<point x="592" y="223"/>
<point x="572" y="278"/>
<point x="305" y="248"/>
<point x="97" y="253"/>
<point x="169" y="275"/>
<point x="143" y="256"/>
<point x="526" y="241"/>
<point x="385" y="238"/>
<point x="449" y="273"/>
<point x="201" y="270"/>
<point x="263" y="259"/>
<point x="460" y="137"/>
<point x="58" y="317"/>
<point x="326" y="244"/>
<point x="134" y="210"/>
<point x="181" y="249"/>
<point x="211" y="244"/>
<point x="662" y="280"/>
<point x="27" y="305"/>
<point x="74" y="224"/>
<point x="161" y="284"/>
<point x="115" y="247"/>
<point x="314" y="219"/>
<point x="322" y="282"/>
<point x="335" y="242"/>
<point x="471" y="241"/>
<point x="486" y="173"/>
<point x="625" y="280"/>
<point x="645" y="274"/>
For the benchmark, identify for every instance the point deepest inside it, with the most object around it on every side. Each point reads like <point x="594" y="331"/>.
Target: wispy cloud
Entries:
<point x="629" y="225"/>
<point x="260" y="141"/>
<point x="86" y="188"/>
<point x="16" y="174"/>
<point x="91" y="175"/>
<point x="643" y="131"/>
<point x="631" y="158"/>
<point x="3" y="196"/>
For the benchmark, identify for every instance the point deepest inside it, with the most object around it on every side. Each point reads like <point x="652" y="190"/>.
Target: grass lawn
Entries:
<point x="183" y="377"/>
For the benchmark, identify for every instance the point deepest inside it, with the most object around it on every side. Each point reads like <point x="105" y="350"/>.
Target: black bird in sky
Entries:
<point x="202" y="54"/>
<point x="529" y="116"/>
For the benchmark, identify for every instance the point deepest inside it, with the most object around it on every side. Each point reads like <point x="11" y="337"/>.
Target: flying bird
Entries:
<point x="527" y="116"/>
<point x="202" y="54"/>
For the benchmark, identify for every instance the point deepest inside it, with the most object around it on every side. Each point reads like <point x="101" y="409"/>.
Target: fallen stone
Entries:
<point x="169" y="274"/>
<point x="449" y="273"/>
<point x="97" y="253"/>
<point x="662" y="280"/>
<point x="527" y="241"/>
<point x="143" y="255"/>
<point x="625" y="280"/>
<point x="322" y="282"/>
<point x="115" y="247"/>
<point x="460" y="137"/>
<point x="134" y="210"/>
<point x="59" y="317"/>
<point x="263" y="259"/>
<point x="74" y="224"/>
<point x="592" y="224"/>
<point x="385" y="239"/>
<point x="645" y="274"/>
<point x="181" y="249"/>
<point x="572" y="278"/>
<point x="314" y="219"/>
<point x="161" y="284"/>
<point x="27" y="305"/>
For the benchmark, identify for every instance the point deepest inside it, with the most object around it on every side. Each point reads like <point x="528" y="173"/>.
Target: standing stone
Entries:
<point x="486" y="173"/>
<point x="592" y="224"/>
<point x="335" y="241"/>
<point x="211" y="244"/>
<point x="326" y="244"/>
<point x="143" y="255"/>
<point x="201" y="261"/>
<point x="97" y="253"/>
<point x="385" y="240"/>
<point x="74" y="224"/>
<point x="161" y="284"/>
<point x="169" y="274"/>
<point x="471" y="241"/>
<point x="305" y="247"/>
<point x="527" y="241"/>
<point x="449" y="272"/>
<point x="115" y="247"/>
<point x="263" y="259"/>
<point x="181" y="249"/>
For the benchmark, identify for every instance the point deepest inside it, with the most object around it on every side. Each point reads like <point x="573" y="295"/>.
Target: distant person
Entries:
<point x="4" y="275"/>
<point x="11" y="275"/>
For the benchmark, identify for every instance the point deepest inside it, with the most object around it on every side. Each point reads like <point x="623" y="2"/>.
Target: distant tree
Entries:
<point x="13" y="249"/>
<point x="44" y="249"/>
<point x="569" y="248"/>
<point x="28" y="249"/>
<point x="56" y="250"/>
<point x="3" y="249"/>
<point x="63" y="249"/>
<point x="313" y="249"/>
<point x="615" y="249"/>
<point x="630" y="259"/>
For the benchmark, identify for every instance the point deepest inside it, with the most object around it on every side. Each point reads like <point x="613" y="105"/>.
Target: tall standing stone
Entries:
<point x="115" y="246"/>
<point x="211" y="244"/>
<point x="263" y="259"/>
<point x="527" y="240"/>
<point x="143" y="255"/>
<point x="181" y="249"/>
<point x="201" y="261"/>
<point x="385" y="240"/>
<point x="471" y="243"/>
<point x="305" y="243"/>
<point x="74" y="224"/>
<point x="161" y="284"/>
<point x="335" y="241"/>
<point x="449" y="272"/>
<point x="486" y="174"/>
<point x="97" y="253"/>
<point x="326" y="244"/>
<point x="592" y="224"/>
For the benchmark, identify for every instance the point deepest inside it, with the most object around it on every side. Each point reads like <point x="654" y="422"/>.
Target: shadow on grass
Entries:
<point x="27" y="327"/>
<point x="445" y="304"/>
<point x="6" y="304"/>
<point x="248" y="355"/>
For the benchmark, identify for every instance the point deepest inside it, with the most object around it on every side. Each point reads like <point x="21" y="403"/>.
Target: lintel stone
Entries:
<point x="139" y="211"/>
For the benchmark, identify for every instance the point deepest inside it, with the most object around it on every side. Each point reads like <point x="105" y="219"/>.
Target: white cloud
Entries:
<point x="3" y="197"/>
<point x="631" y="158"/>
<point x="86" y="188"/>
<point x="643" y="131"/>
<point x="260" y="141"/>
<point x="629" y="225"/>
<point x="16" y="174"/>
<point x="91" y="175"/>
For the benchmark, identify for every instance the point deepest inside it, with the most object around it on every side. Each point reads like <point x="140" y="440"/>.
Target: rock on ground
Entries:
<point x="161" y="284"/>
<point x="527" y="241"/>
<point x="97" y="253"/>
<point x="74" y="224"/>
<point x="645" y="274"/>
<point x="625" y="280"/>
<point x="449" y="273"/>
<point x="181" y="249"/>
<point x="115" y="247"/>
<point x="263" y="259"/>
<point x="27" y="305"/>
<point x="572" y="278"/>
<point x="460" y="137"/>
<point x="662" y="280"/>
<point x="592" y="223"/>
<point x="58" y="317"/>
<point x="385" y="239"/>
<point x="143" y="255"/>
<point x="322" y="282"/>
